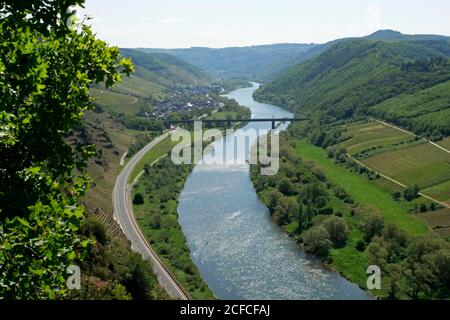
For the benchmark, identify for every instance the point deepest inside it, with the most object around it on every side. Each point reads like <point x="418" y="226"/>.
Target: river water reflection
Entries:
<point x="240" y="251"/>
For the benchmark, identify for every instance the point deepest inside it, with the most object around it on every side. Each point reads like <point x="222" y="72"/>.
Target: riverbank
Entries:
<point x="154" y="204"/>
<point x="300" y="198"/>
<point x="235" y="244"/>
<point x="157" y="186"/>
<point x="378" y="230"/>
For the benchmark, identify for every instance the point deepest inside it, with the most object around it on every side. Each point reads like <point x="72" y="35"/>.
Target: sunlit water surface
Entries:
<point x="238" y="249"/>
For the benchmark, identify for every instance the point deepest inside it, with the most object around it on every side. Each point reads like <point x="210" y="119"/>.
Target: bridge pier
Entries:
<point x="273" y="125"/>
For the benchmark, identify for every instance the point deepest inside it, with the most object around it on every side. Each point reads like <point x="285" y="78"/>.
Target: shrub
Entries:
<point x="94" y="227"/>
<point x="361" y="245"/>
<point x="339" y="214"/>
<point x="317" y="241"/>
<point x="138" y="199"/>
<point x="337" y="229"/>
<point x="286" y="187"/>
<point x="326" y="211"/>
<point x="396" y="195"/>
<point x="411" y="193"/>
<point x="372" y="222"/>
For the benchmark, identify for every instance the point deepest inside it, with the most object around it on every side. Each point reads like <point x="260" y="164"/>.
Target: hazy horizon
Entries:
<point x="203" y="23"/>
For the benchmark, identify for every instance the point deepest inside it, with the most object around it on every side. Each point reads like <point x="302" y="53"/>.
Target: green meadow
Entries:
<point x="364" y="191"/>
<point x="115" y="102"/>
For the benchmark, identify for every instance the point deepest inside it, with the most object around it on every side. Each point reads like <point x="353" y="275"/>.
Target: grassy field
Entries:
<point x="365" y="191"/>
<point x="223" y="115"/>
<point x="424" y="165"/>
<point x="445" y="143"/>
<point x="161" y="149"/>
<point x="438" y="220"/>
<point x="139" y="87"/>
<point x="116" y="102"/>
<point x="368" y="135"/>
<point x="399" y="156"/>
<point x="348" y="260"/>
<point x="440" y="192"/>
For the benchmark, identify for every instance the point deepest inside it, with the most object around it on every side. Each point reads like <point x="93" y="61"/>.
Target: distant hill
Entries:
<point x="164" y="69"/>
<point x="263" y="63"/>
<point x="250" y="63"/>
<point x="352" y="76"/>
<point x="381" y="35"/>
<point x="157" y="71"/>
<point x="398" y="36"/>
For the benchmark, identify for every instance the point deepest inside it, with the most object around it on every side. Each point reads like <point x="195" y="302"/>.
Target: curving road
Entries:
<point x="123" y="213"/>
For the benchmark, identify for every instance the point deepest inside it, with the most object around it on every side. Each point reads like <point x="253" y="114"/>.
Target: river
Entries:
<point x="240" y="252"/>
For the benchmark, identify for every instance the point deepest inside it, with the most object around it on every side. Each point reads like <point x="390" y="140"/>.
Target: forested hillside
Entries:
<point x="353" y="76"/>
<point x="428" y="40"/>
<point x="265" y="62"/>
<point x="426" y="111"/>
<point x="164" y="69"/>
<point x="157" y="71"/>
<point x="251" y="63"/>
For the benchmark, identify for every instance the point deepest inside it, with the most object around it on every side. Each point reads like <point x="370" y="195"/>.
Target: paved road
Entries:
<point x="124" y="215"/>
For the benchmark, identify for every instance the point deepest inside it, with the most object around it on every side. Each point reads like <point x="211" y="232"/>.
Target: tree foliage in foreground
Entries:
<point x="46" y="69"/>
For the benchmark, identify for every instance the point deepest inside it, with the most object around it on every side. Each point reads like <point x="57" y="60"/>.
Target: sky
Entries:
<point x="225" y="23"/>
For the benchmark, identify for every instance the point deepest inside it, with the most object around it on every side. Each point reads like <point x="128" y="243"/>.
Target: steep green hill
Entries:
<point x="250" y="63"/>
<point x="164" y="69"/>
<point x="354" y="75"/>
<point x="381" y="35"/>
<point x="425" y="111"/>
<point x="157" y="71"/>
<point x="398" y="36"/>
<point x="263" y="63"/>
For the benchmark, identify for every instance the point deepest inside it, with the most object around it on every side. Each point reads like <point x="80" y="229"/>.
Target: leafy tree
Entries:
<point x="46" y="69"/>
<point x="337" y="229"/>
<point x="273" y="199"/>
<point x="394" y="280"/>
<point x="396" y="195"/>
<point x="423" y="207"/>
<point x="311" y="192"/>
<point x="285" y="210"/>
<point x="286" y="187"/>
<point x="372" y="222"/>
<point x="140" y="281"/>
<point x="317" y="241"/>
<point x="411" y="193"/>
<point x="319" y="173"/>
<point x="361" y="245"/>
<point x="417" y="270"/>
<point x="398" y="242"/>
<point x="94" y="227"/>
<point x="379" y="251"/>
<point x="439" y="262"/>
<point x="138" y="199"/>
<point x="320" y="202"/>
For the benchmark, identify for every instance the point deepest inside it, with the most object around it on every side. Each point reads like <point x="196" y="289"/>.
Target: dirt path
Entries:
<point x="134" y="101"/>
<point x="444" y="204"/>
<point x="412" y="134"/>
